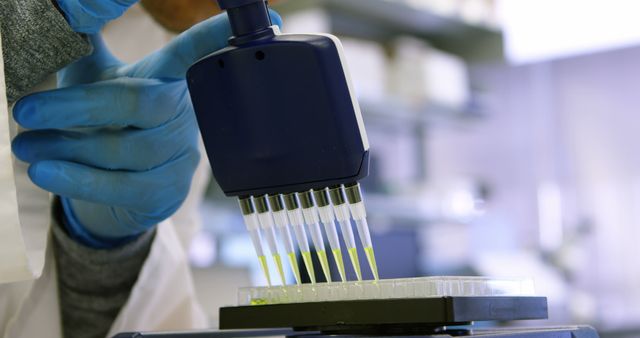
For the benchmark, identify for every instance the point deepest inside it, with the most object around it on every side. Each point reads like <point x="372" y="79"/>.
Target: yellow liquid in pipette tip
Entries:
<point x="353" y="254"/>
<point x="265" y="268"/>
<point x="372" y="262"/>
<point x="324" y="263"/>
<point x="294" y="266"/>
<point x="337" y="255"/>
<point x="278" y="261"/>
<point x="308" y="262"/>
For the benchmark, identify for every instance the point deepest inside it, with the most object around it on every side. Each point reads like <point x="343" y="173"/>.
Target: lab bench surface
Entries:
<point x="555" y="332"/>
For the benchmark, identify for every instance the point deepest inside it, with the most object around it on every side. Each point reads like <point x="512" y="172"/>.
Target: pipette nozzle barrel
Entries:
<point x="306" y="199"/>
<point x="322" y="197"/>
<point x="275" y="201"/>
<point x="337" y="195"/>
<point x="246" y="206"/>
<point x="261" y="204"/>
<point x="353" y="192"/>
<point x="291" y="201"/>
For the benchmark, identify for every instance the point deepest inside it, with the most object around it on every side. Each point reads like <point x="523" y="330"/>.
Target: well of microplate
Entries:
<point x="422" y="287"/>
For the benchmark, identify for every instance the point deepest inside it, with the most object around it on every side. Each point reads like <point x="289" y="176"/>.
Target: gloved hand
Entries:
<point x="118" y="143"/>
<point x="88" y="16"/>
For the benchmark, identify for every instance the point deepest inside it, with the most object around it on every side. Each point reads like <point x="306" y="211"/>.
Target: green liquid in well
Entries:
<point x="372" y="261"/>
<point x="353" y="254"/>
<point x="308" y="262"/>
<point x="265" y="268"/>
<point x="337" y="255"/>
<point x="278" y="261"/>
<point x="324" y="263"/>
<point x="294" y="266"/>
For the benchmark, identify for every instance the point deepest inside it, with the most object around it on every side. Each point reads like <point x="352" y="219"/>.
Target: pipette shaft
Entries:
<point x="267" y="224"/>
<point x="328" y="220"/>
<point x="341" y="213"/>
<point x="282" y="222"/>
<point x="253" y="225"/>
<point x="297" y="223"/>
<point x="310" y="214"/>
<point x="359" y="214"/>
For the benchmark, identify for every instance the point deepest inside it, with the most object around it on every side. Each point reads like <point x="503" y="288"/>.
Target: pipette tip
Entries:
<point x="278" y="261"/>
<point x="294" y="266"/>
<point x="308" y="262"/>
<point x="353" y="255"/>
<point x="337" y="255"/>
<point x="265" y="268"/>
<point x="324" y="263"/>
<point x="371" y="258"/>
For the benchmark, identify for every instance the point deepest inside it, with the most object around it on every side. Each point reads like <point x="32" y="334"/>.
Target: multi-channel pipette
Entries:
<point x="328" y="221"/>
<point x="282" y="222"/>
<point x="267" y="224"/>
<point x="297" y="223"/>
<point x="310" y="214"/>
<point x="248" y="124"/>
<point x="253" y="225"/>
<point x="359" y="214"/>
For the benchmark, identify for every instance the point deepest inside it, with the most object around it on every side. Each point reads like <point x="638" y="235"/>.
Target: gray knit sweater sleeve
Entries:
<point x="36" y="42"/>
<point x="94" y="284"/>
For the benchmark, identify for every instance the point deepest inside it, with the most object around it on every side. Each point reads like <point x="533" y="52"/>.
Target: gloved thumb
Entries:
<point x="173" y="60"/>
<point x="89" y="16"/>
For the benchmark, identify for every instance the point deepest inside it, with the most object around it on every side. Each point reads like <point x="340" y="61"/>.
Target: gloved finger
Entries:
<point x="107" y="221"/>
<point x="200" y="40"/>
<point x="91" y="68"/>
<point x="145" y="192"/>
<point x="129" y="149"/>
<point x="141" y="103"/>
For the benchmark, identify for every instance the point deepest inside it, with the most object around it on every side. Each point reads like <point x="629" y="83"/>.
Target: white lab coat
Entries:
<point x="163" y="297"/>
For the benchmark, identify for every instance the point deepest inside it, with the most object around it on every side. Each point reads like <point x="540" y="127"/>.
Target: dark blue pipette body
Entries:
<point x="276" y="112"/>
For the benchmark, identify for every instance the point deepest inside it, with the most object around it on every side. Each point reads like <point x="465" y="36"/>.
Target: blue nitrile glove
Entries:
<point x="88" y="16"/>
<point x="118" y="143"/>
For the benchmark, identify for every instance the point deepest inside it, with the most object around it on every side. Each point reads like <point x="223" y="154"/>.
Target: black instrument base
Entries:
<point x="388" y="315"/>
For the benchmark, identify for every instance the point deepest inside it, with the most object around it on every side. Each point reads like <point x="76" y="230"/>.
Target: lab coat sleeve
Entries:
<point x="94" y="285"/>
<point x="36" y="41"/>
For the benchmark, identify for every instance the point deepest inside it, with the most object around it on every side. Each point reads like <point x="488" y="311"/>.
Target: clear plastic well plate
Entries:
<point x="422" y="287"/>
